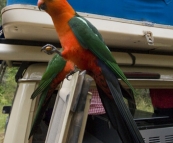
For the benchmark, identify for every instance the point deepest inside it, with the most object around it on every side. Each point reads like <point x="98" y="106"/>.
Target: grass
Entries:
<point x="7" y="90"/>
<point x="3" y="118"/>
<point x="143" y="100"/>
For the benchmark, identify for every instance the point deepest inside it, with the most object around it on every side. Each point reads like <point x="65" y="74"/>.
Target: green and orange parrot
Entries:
<point x="56" y="72"/>
<point x="83" y="45"/>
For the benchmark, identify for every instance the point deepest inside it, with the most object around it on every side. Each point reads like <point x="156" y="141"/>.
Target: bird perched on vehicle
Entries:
<point x="56" y="71"/>
<point x="83" y="45"/>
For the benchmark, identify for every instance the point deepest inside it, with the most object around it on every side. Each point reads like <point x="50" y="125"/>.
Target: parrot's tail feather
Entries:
<point x="119" y="105"/>
<point x="42" y="105"/>
<point x="42" y="87"/>
<point x="129" y="96"/>
<point x="114" y="116"/>
<point x="120" y="74"/>
<point x="125" y="114"/>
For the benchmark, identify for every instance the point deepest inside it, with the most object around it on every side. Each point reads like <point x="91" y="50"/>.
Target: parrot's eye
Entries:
<point x="42" y="6"/>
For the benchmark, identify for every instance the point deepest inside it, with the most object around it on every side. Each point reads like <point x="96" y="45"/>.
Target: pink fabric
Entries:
<point x="162" y="98"/>
<point x="96" y="106"/>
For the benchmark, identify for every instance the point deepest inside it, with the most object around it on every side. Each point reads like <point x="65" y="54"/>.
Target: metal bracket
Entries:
<point x="133" y="58"/>
<point x="149" y="37"/>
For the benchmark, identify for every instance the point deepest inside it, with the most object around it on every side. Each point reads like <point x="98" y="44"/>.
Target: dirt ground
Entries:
<point x="1" y="137"/>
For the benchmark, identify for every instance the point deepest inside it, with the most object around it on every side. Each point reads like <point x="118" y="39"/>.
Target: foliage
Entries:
<point x="7" y="90"/>
<point x="7" y="86"/>
<point x="2" y="4"/>
<point x="143" y="100"/>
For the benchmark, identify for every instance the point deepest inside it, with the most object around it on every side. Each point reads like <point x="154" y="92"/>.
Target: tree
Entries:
<point x="2" y="4"/>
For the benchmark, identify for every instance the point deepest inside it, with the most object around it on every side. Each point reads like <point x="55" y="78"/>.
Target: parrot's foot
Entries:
<point x="72" y="72"/>
<point x="50" y="49"/>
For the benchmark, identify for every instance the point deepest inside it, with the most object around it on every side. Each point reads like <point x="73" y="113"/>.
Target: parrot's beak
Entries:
<point x="42" y="6"/>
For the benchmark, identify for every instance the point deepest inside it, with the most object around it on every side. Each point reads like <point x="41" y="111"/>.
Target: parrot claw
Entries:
<point x="69" y="74"/>
<point x="72" y="72"/>
<point x="50" y="49"/>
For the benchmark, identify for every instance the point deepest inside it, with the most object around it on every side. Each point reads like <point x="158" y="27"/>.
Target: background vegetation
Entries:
<point x="143" y="100"/>
<point x="7" y="90"/>
<point x="2" y="4"/>
<point x="3" y="98"/>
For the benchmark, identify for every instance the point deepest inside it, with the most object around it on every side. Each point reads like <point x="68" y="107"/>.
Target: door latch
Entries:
<point x="149" y="37"/>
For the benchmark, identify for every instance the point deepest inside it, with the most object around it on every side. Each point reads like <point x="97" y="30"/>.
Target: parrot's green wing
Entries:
<point x="54" y="67"/>
<point x="39" y="112"/>
<point x="94" y="29"/>
<point x="90" y="38"/>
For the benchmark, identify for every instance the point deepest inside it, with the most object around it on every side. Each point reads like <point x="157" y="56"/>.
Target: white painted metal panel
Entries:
<point x="158" y="135"/>
<point x="61" y="111"/>
<point x="23" y="107"/>
<point x="23" y="53"/>
<point x="27" y="22"/>
<point x="33" y="53"/>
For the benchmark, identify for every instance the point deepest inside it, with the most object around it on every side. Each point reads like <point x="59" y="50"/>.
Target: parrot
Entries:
<point x="83" y="45"/>
<point x="57" y="70"/>
<point x="46" y="87"/>
<point x="107" y="102"/>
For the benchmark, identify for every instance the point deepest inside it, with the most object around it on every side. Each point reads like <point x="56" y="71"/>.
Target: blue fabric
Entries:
<point x="30" y="2"/>
<point x="155" y="11"/>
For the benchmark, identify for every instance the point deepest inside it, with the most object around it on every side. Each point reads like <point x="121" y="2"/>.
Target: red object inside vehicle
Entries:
<point x="162" y="98"/>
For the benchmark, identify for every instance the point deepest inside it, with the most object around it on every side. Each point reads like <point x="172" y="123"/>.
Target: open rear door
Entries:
<point x="69" y="116"/>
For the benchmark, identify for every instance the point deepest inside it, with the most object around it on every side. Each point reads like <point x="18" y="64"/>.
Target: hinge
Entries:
<point x="149" y="37"/>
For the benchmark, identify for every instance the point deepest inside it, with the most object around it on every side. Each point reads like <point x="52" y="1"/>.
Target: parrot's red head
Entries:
<point x="59" y="10"/>
<point x="48" y="5"/>
<point x="53" y="6"/>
